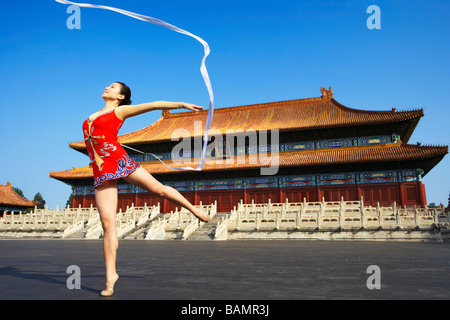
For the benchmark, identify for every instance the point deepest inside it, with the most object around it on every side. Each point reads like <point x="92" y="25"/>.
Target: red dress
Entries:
<point x="108" y="158"/>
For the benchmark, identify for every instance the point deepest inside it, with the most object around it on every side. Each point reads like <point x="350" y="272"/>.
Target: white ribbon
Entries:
<point x="203" y="69"/>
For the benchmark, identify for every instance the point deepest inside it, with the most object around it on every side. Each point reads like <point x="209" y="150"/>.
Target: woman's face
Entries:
<point x="113" y="92"/>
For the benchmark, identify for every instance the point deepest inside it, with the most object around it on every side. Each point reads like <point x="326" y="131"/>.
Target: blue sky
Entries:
<point x="52" y="78"/>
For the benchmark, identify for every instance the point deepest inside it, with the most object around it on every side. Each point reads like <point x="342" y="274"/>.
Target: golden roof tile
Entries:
<point x="9" y="197"/>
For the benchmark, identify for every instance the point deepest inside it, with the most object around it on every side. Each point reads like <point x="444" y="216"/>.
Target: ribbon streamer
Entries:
<point x="203" y="70"/>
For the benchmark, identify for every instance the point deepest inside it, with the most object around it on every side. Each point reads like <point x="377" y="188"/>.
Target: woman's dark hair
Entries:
<point x="126" y="91"/>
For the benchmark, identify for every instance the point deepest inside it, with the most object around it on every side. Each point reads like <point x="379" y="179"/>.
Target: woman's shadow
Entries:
<point x="50" y="278"/>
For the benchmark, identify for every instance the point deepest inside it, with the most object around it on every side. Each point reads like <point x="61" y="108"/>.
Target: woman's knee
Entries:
<point x="155" y="187"/>
<point x="108" y="223"/>
<point x="161" y="191"/>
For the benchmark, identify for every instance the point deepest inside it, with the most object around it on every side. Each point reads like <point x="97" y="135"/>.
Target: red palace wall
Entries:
<point x="403" y="194"/>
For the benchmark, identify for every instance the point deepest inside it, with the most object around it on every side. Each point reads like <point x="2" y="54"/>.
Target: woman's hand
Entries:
<point x="192" y="107"/>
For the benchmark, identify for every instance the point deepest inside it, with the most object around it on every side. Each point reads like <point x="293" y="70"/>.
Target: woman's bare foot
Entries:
<point x="202" y="216"/>
<point x="109" y="288"/>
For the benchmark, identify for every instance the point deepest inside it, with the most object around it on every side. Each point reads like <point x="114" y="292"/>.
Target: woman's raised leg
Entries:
<point x="106" y="199"/>
<point x="143" y="179"/>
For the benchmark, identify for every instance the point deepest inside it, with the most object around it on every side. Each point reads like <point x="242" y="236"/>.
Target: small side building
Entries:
<point x="11" y="202"/>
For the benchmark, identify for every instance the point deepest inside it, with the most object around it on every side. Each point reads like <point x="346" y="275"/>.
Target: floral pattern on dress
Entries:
<point x="125" y="167"/>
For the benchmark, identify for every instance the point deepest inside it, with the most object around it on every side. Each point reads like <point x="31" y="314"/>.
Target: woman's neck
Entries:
<point x="110" y="105"/>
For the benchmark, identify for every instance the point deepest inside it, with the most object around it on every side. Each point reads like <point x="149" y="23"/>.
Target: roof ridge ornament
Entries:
<point x="327" y="94"/>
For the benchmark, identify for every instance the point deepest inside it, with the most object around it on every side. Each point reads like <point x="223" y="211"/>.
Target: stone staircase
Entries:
<point x="140" y="232"/>
<point x="206" y="232"/>
<point x="78" y="235"/>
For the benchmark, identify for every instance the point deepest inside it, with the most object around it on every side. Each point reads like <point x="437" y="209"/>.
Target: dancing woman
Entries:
<point x="110" y="162"/>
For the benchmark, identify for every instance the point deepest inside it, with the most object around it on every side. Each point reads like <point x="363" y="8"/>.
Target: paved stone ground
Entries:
<point x="228" y="270"/>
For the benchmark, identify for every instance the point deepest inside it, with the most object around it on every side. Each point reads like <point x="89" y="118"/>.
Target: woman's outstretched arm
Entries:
<point x="124" y="112"/>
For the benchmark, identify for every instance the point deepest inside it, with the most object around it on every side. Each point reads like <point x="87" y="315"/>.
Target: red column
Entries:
<point x="246" y="197"/>
<point x="319" y="194"/>
<point x="358" y="193"/>
<point x="422" y="194"/>
<point x="196" y="201"/>
<point x="282" y="199"/>
<point x="401" y="192"/>
<point x="163" y="206"/>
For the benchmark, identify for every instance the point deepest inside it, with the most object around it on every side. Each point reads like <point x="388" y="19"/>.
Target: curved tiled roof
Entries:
<point x="10" y="198"/>
<point x="303" y="114"/>
<point x="348" y="155"/>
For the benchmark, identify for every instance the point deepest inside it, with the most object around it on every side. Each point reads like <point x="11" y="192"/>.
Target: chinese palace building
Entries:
<point x="11" y="202"/>
<point x="320" y="149"/>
